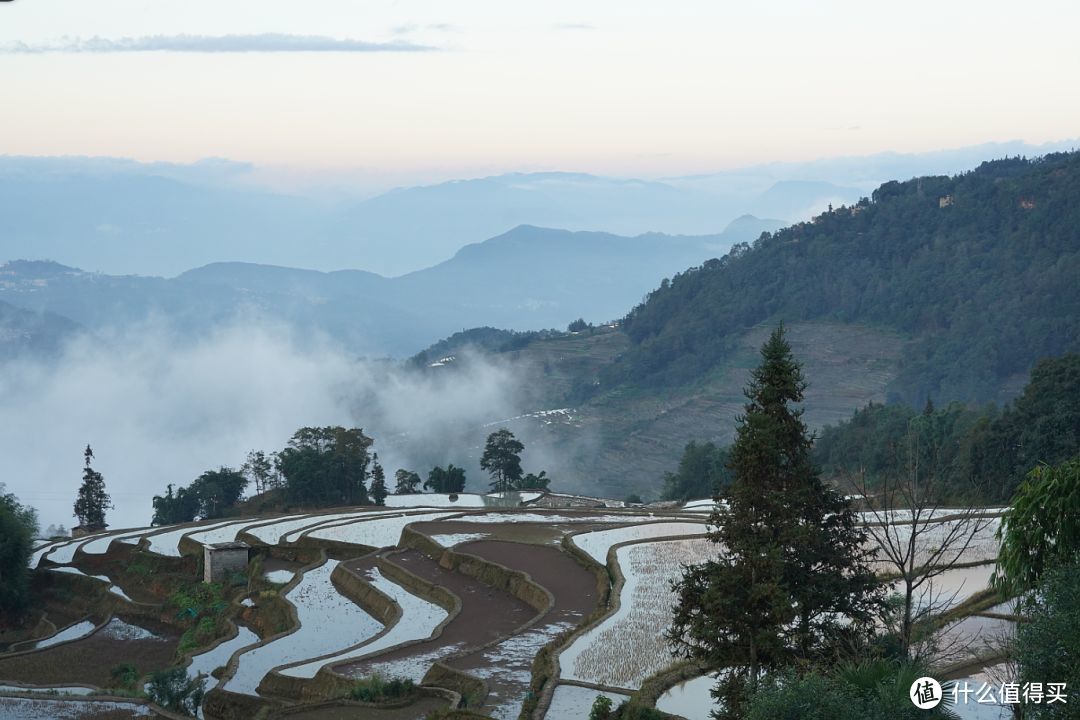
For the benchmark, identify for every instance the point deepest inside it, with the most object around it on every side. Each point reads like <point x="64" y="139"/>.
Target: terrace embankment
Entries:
<point x="537" y="533"/>
<point x="351" y="711"/>
<point x="486" y="615"/>
<point x="90" y="660"/>
<point x="507" y="666"/>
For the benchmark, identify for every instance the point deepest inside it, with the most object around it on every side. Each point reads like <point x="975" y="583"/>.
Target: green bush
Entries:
<point x="376" y="689"/>
<point x="865" y="690"/>
<point x="1048" y="645"/>
<point x="601" y="707"/>
<point x="173" y="690"/>
<point x="125" y="676"/>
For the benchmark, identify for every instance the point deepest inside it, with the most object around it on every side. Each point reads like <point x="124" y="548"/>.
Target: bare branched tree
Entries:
<point x="919" y="539"/>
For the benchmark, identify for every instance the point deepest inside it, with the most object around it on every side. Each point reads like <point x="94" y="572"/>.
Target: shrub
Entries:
<point x="376" y="689"/>
<point x="601" y="708"/>
<point x="173" y="690"/>
<point x="1048" y="646"/>
<point x="124" y="676"/>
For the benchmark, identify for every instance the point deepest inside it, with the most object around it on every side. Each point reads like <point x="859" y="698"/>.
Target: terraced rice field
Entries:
<point x="598" y="542"/>
<point x="168" y="542"/>
<point x="75" y="571"/>
<point x="329" y="623"/>
<point x="419" y="619"/>
<point x="87" y="660"/>
<point x="495" y="635"/>
<point x="506" y="666"/>
<point x="42" y="709"/>
<point x="690" y="699"/>
<point x="573" y="702"/>
<point x="486" y="615"/>
<point x="375" y="532"/>
<point x="629" y="645"/>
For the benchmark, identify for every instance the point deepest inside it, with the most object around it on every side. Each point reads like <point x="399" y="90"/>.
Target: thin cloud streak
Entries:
<point x="262" y="43"/>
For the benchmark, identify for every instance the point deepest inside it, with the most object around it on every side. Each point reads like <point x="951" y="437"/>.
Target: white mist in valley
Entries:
<point x="160" y="407"/>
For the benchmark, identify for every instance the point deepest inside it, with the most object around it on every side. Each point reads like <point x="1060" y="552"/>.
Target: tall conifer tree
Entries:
<point x="378" y="482"/>
<point x="791" y="559"/>
<point x="93" y="501"/>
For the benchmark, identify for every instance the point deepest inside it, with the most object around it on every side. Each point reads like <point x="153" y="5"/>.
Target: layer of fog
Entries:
<point x="160" y="409"/>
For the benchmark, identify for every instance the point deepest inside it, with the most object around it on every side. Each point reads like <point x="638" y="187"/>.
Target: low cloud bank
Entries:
<point x="264" y="42"/>
<point x="159" y="407"/>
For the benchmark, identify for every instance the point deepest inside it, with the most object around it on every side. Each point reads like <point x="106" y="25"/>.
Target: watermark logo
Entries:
<point x="926" y="693"/>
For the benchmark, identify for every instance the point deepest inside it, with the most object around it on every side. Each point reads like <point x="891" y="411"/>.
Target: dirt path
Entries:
<point x="507" y="667"/>
<point x="486" y="615"/>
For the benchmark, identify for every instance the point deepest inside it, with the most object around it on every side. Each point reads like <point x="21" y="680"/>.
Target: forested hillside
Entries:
<point x="972" y="450"/>
<point x="981" y="270"/>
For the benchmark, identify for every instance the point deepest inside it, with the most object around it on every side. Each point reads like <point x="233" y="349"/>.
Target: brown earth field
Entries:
<point x="44" y="709"/>
<point x="507" y="667"/>
<point x="486" y="615"/>
<point x="416" y="711"/>
<point x="89" y="661"/>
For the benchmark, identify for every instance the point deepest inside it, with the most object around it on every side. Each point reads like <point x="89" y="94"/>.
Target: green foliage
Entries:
<point x="172" y="508"/>
<point x="867" y="690"/>
<point x="375" y="689"/>
<point x="211" y="495"/>
<point x="202" y="606"/>
<point x="502" y="460"/>
<point x="92" y="501"/>
<point x="18" y="526"/>
<point x="532" y="481"/>
<point x="602" y="710"/>
<point x="982" y="448"/>
<point x="702" y="473"/>
<point x="406" y="482"/>
<point x="1041" y="528"/>
<point x="481" y="338"/>
<point x="1048" y="643"/>
<point x="125" y="676"/>
<point x="259" y="469"/>
<point x="218" y="491"/>
<point x="632" y="711"/>
<point x="633" y="499"/>
<point x="1041" y="426"/>
<point x="985" y="286"/>
<point x="793" y="558"/>
<point x="578" y="325"/>
<point x="326" y="466"/>
<point x="445" y="480"/>
<point x="173" y="690"/>
<point x="378" y="482"/>
<point x="601" y="707"/>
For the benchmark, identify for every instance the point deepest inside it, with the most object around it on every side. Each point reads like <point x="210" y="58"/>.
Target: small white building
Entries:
<point x="223" y="559"/>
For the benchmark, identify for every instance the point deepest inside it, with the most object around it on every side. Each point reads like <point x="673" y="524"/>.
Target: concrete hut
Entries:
<point x="222" y="559"/>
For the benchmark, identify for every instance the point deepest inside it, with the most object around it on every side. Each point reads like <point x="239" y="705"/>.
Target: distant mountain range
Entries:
<point x="528" y="278"/>
<point x="940" y="288"/>
<point x="25" y="332"/>
<point x="121" y="217"/>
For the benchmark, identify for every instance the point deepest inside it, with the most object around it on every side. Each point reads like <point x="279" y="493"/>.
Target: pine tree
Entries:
<point x="93" y="501"/>
<point x="792" y="558"/>
<point x="378" y="482"/>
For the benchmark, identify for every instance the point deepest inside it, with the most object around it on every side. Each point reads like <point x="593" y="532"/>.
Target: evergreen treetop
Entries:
<point x="792" y="560"/>
<point x="92" y="501"/>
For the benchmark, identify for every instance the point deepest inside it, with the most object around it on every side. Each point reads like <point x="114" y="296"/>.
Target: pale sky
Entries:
<point x="618" y="87"/>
